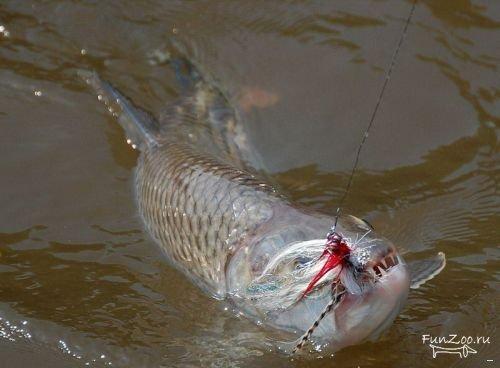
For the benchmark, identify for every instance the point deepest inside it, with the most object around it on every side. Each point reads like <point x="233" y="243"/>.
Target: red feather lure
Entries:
<point x="336" y="251"/>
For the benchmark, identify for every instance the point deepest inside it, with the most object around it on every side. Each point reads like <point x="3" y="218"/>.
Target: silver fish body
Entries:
<point x="200" y="210"/>
<point x="220" y="221"/>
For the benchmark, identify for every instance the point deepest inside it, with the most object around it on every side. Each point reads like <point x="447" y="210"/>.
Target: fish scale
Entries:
<point x="199" y="210"/>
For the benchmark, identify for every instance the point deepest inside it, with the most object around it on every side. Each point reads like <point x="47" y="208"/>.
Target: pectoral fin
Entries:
<point x="423" y="270"/>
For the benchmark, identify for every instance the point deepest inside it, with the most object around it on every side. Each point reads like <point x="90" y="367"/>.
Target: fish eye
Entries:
<point x="368" y="224"/>
<point x="300" y="262"/>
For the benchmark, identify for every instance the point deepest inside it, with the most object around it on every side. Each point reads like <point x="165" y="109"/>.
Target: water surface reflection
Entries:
<point x="82" y="282"/>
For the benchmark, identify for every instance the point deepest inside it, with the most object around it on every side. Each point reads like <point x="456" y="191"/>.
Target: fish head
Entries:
<point x="356" y="298"/>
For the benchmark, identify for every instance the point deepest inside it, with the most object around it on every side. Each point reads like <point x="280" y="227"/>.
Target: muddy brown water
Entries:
<point x="82" y="284"/>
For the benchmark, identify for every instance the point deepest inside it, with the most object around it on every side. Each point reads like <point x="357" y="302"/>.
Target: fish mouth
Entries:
<point x="364" y="315"/>
<point x="358" y="282"/>
<point x="385" y="265"/>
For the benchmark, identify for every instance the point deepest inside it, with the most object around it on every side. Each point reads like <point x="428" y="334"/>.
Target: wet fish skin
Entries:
<point x="221" y="224"/>
<point x="199" y="210"/>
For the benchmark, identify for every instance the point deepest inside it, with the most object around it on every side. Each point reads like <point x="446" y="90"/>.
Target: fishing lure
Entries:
<point x="336" y="252"/>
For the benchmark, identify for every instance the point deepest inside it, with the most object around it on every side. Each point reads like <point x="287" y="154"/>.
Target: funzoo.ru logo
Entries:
<point x="455" y="340"/>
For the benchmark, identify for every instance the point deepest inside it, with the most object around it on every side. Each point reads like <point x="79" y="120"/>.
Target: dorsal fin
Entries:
<point x="423" y="270"/>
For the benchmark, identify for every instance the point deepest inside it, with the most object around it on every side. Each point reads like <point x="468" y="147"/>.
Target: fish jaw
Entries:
<point x="364" y="316"/>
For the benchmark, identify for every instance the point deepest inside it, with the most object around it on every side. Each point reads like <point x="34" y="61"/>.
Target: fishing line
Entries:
<point x="336" y="299"/>
<point x="305" y="337"/>
<point x="374" y="113"/>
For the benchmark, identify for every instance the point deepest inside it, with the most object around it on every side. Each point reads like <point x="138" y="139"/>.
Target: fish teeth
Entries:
<point x="390" y="261"/>
<point x="393" y="261"/>
<point x="384" y="272"/>
<point x="384" y="265"/>
<point x="372" y="272"/>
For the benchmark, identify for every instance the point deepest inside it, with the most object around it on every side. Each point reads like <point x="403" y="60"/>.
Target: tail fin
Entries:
<point x="186" y="74"/>
<point x="190" y="73"/>
<point x="140" y="128"/>
<point x="210" y="102"/>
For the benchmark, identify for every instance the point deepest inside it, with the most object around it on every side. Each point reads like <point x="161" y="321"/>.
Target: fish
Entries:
<point x="206" y="200"/>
